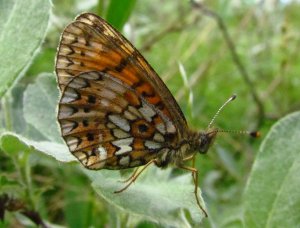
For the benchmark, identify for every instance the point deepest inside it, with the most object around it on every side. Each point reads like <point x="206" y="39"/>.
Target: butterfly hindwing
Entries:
<point x="107" y="124"/>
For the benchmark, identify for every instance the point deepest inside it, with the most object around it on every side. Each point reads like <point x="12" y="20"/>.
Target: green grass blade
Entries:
<point x="118" y="12"/>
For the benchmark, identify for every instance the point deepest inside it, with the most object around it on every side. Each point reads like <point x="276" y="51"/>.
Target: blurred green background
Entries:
<point x="185" y="44"/>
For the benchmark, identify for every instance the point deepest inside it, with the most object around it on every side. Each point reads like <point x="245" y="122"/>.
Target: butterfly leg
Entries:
<point x="193" y="174"/>
<point x="195" y="178"/>
<point x="193" y="166"/>
<point x="131" y="176"/>
<point x="131" y="180"/>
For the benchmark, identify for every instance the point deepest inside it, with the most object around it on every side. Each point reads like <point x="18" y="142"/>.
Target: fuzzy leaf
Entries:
<point x="40" y="102"/>
<point x="23" y="25"/>
<point x="12" y="143"/>
<point x="154" y="196"/>
<point x="272" y="196"/>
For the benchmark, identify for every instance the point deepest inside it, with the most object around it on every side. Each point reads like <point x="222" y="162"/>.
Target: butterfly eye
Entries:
<point x="206" y="139"/>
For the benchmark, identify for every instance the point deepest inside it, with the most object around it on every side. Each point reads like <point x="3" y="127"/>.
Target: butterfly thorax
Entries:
<point x="193" y="142"/>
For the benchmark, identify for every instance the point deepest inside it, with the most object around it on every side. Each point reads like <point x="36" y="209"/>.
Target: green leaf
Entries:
<point x="232" y="217"/>
<point x="10" y="184"/>
<point x="40" y="102"/>
<point x="118" y="12"/>
<point x="13" y="144"/>
<point x="23" y="25"/>
<point x="154" y="196"/>
<point x="272" y="196"/>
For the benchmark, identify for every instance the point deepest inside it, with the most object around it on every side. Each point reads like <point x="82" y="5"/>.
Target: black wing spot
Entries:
<point x="91" y="99"/>
<point x="85" y="122"/>
<point x="121" y="65"/>
<point x="143" y="128"/>
<point x="86" y="110"/>
<point x="160" y="105"/>
<point x="90" y="136"/>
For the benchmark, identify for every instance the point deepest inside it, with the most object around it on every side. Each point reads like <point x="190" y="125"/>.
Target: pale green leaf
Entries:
<point x="23" y="25"/>
<point x="154" y="196"/>
<point x="40" y="103"/>
<point x="13" y="144"/>
<point x="272" y="196"/>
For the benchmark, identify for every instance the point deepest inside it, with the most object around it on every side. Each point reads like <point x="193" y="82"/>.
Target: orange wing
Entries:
<point x="91" y="44"/>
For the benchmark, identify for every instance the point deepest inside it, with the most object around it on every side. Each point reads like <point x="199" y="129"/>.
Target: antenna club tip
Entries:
<point x="255" y="134"/>
<point x="233" y="97"/>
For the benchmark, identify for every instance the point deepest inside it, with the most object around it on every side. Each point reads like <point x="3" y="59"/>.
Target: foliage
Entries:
<point x="271" y="198"/>
<point x="187" y="46"/>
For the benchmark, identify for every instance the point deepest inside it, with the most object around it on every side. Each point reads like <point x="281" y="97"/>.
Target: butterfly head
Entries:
<point x="205" y="140"/>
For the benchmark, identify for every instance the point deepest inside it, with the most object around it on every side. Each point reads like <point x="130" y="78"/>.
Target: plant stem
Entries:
<point x="235" y="58"/>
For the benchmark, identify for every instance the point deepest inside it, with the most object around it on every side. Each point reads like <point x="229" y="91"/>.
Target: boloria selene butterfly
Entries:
<point x="115" y="112"/>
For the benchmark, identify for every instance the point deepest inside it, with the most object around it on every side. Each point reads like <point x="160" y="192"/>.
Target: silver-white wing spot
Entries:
<point x="118" y="133"/>
<point x="69" y="95"/>
<point x="170" y="127"/>
<point x="72" y="142"/>
<point x="161" y="128"/>
<point x="158" y="137"/>
<point x="128" y="115"/>
<point x="120" y="122"/>
<point x="147" y="111"/>
<point x="152" y="145"/>
<point x="78" y="83"/>
<point x="80" y="155"/>
<point x="65" y="111"/>
<point x="108" y="94"/>
<point x="67" y="126"/>
<point x="134" y="111"/>
<point x="124" y="145"/>
<point x="102" y="156"/>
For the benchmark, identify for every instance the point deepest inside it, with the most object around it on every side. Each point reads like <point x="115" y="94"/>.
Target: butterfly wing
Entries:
<point x="115" y="112"/>
<point x="91" y="44"/>
<point x="107" y="124"/>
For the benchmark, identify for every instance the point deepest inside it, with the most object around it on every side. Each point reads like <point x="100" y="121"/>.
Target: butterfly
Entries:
<point x="114" y="111"/>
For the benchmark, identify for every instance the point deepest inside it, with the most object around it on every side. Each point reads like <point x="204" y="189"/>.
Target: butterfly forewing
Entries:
<point x="91" y="44"/>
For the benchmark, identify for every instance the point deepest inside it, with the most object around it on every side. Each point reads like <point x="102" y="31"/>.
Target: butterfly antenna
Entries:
<point x="253" y="134"/>
<point x="220" y="109"/>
